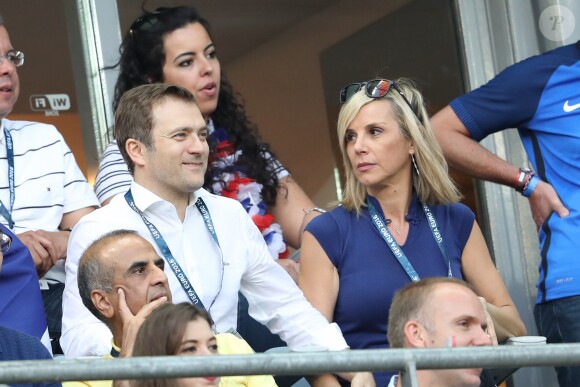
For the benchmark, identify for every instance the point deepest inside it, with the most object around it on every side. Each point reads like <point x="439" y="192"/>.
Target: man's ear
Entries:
<point x="136" y="150"/>
<point x="416" y="335"/>
<point x="101" y="301"/>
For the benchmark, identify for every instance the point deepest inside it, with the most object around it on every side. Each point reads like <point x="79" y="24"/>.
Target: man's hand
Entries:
<point x="58" y="239"/>
<point x="292" y="267"/>
<point x="543" y="201"/>
<point x="490" y="327"/>
<point x="45" y="247"/>
<point x="132" y="323"/>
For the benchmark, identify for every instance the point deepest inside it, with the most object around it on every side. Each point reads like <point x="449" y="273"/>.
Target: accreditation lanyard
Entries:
<point x="10" y="157"/>
<point x="173" y="264"/>
<point x="398" y="251"/>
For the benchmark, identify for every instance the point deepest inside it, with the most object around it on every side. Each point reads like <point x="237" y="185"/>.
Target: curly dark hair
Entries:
<point x="141" y="62"/>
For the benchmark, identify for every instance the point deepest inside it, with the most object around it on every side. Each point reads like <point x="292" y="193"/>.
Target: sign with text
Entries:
<point x="50" y="104"/>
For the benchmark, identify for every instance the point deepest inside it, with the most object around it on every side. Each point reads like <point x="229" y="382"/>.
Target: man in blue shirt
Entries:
<point x="15" y="345"/>
<point x="21" y="305"/>
<point x="19" y="302"/>
<point x="541" y="97"/>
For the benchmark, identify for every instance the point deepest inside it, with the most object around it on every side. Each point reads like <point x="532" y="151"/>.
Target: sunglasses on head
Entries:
<point x="377" y="88"/>
<point x="148" y="21"/>
<point x="5" y="242"/>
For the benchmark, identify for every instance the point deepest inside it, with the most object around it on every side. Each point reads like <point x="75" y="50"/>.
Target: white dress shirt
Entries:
<point x="274" y="298"/>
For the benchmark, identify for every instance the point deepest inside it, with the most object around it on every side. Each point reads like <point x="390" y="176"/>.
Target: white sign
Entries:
<point x="50" y="104"/>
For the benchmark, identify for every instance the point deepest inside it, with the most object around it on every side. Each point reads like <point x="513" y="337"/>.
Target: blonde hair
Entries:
<point x="433" y="185"/>
<point x="410" y="302"/>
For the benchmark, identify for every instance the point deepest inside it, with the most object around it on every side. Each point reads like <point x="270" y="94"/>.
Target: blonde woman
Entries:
<point x="400" y="221"/>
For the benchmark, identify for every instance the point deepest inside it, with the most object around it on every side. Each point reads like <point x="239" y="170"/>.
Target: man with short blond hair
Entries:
<point x="435" y="313"/>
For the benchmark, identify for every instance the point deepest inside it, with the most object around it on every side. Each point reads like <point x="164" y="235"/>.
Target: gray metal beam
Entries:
<point x="94" y="39"/>
<point x="296" y="363"/>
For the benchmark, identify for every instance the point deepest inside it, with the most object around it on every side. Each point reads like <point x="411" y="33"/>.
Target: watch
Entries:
<point x="521" y="181"/>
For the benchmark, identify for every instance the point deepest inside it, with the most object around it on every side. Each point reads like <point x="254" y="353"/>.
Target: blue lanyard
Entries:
<point x="398" y="251"/>
<point x="10" y="157"/>
<point x="173" y="264"/>
<point x="438" y="237"/>
<point x="203" y="210"/>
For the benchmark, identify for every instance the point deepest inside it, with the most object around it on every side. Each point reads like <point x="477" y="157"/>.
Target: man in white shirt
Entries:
<point x="42" y="190"/>
<point x="435" y="313"/>
<point x="211" y="246"/>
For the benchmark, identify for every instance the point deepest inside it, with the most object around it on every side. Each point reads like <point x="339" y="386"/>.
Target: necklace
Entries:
<point x="389" y="223"/>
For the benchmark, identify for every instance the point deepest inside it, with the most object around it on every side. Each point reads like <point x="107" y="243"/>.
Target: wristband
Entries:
<point x="526" y="182"/>
<point x="531" y="186"/>
<point x="315" y="209"/>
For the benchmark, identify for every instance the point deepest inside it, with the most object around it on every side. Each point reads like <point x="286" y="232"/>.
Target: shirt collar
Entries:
<point x="415" y="213"/>
<point x="144" y="199"/>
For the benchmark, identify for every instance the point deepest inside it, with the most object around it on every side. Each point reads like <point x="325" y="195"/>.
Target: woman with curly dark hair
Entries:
<point x="174" y="45"/>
